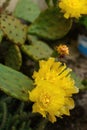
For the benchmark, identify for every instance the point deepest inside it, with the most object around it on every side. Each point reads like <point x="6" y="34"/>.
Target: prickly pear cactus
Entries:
<point x="1" y="35"/>
<point x="78" y="81"/>
<point x="50" y="25"/>
<point x="32" y="38"/>
<point x="38" y="50"/>
<point x="13" y="29"/>
<point x="83" y="21"/>
<point x="13" y="58"/>
<point x="26" y="10"/>
<point x="14" y="83"/>
<point x="4" y="47"/>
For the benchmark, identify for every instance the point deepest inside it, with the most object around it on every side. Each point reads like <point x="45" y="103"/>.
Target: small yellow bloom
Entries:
<point x="52" y="95"/>
<point x="62" y="50"/>
<point x="73" y="8"/>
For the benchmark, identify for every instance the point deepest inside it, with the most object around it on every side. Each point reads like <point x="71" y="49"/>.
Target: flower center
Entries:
<point x="44" y="100"/>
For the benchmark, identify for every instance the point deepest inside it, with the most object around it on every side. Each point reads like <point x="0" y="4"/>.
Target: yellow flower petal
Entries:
<point x="37" y="108"/>
<point x="52" y="118"/>
<point x="73" y="8"/>
<point x="52" y="95"/>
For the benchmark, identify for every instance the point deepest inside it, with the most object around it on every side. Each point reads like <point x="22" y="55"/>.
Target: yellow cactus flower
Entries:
<point x="52" y="95"/>
<point x="73" y="8"/>
<point x="62" y="50"/>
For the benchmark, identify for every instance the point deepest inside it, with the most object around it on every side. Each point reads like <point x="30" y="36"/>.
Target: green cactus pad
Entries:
<point x="15" y="83"/>
<point x="13" y="29"/>
<point x="1" y="35"/>
<point x="32" y="38"/>
<point x="27" y="10"/>
<point x="50" y="25"/>
<point x="4" y="47"/>
<point x="13" y="58"/>
<point x="78" y="81"/>
<point x="83" y="21"/>
<point x="38" y="50"/>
